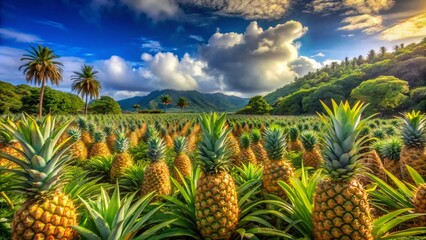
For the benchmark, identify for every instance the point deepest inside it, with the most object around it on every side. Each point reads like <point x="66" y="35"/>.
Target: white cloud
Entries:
<point x="347" y="35"/>
<point x="367" y="23"/>
<point x="18" y="36"/>
<point x="153" y="46"/>
<point x="154" y="9"/>
<point x="414" y="27"/>
<point x="304" y="65"/>
<point x="320" y="54"/>
<point x="197" y="38"/>
<point x="350" y="6"/>
<point x="254" y="61"/>
<point x="329" y="62"/>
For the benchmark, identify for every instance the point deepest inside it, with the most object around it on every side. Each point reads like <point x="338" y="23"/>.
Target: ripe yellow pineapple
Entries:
<point x="246" y="155"/>
<point x="167" y="138"/>
<point x="157" y="175"/>
<point x="182" y="162"/>
<point x="110" y="137"/>
<point x="413" y="153"/>
<point x="234" y="147"/>
<point x="216" y="201"/>
<point x="277" y="168"/>
<point x="257" y="147"/>
<point x="371" y="160"/>
<point x="311" y="156"/>
<point x="47" y="213"/>
<point x="122" y="160"/>
<point x="133" y="137"/>
<point x="78" y="149"/>
<point x="294" y="144"/>
<point x="99" y="148"/>
<point x="86" y="137"/>
<point x="341" y="208"/>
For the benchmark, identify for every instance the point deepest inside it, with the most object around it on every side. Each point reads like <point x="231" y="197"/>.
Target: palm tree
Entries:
<point x="360" y="60"/>
<point x="41" y="66"/>
<point x="396" y="48"/>
<point x="86" y="84"/>
<point x="371" y="55"/>
<point x="383" y="52"/>
<point x="136" y="107"/>
<point x="182" y="102"/>
<point x="166" y="100"/>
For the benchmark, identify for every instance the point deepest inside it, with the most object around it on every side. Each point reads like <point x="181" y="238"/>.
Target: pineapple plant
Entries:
<point x="86" y="137"/>
<point x="311" y="156"/>
<point x="99" y="148"/>
<point x="371" y="160"/>
<point x="167" y="138"/>
<point x="257" y="147"/>
<point x="157" y="174"/>
<point x="133" y="137"/>
<point x="246" y="155"/>
<point x="216" y="201"/>
<point x="277" y="168"/>
<point x="122" y="160"/>
<point x="294" y="143"/>
<point x="9" y="146"/>
<point x="182" y="162"/>
<point x="414" y="135"/>
<point x="110" y="137"/>
<point x="391" y="150"/>
<point x="341" y="208"/>
<point x="234" y="147"/>
<point x="78" y="149"/>
<point x="419" y="202"/>
<point x="47" y="213"/>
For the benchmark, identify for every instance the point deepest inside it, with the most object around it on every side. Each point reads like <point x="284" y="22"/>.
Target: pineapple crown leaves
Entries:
<point x="256" y="135"/>
<point x="74" y="133"/>
<point x="156" y="149"/>
<point x="108" y="129"/>
<point x="43" y="159"/>
<point x="6" y="135"/>
<point x="214" y="148"/>
<point x="99" y="136"/>
<point x="82" y="123"/>
<point x="180" y="144"/>
<point x="121" y="141"/>
<point x="293" y="133"/>
<point x="309" y="139"/>
<point x="342" y="145"/>
<point x="275" y="142"/>
<point x="391" y="149"/>
<point x="151" y="131"/>
<point x="245" y="140"/>
<point x="414" y="129"/>
<point x="91" y="128"/>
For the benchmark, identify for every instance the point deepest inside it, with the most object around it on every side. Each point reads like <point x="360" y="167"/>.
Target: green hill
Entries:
<point x="338" y="80"/>
<point x="198" y="102"/>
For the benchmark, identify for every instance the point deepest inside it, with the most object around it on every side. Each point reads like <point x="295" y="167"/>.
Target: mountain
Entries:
<point x="401" y="70"/>
<point x="198" y="102"/>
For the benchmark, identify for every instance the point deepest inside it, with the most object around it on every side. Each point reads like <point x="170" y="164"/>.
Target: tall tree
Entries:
<point x="136" y="107"/>
<point x="182" y="102"/>
<point x="396" y="48"/>
<point x="371" y="55"/>
<point x="383" y="52"/>
<point x="86" y="84"/>
<point x="40" y="67"/>
<point x="166" y="100"/>
<point x="360" y="60"/>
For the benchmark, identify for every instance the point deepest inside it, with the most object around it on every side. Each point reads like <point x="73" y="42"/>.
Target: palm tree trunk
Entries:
<point x="43" y="86"/>
<point x="87" y="104"/>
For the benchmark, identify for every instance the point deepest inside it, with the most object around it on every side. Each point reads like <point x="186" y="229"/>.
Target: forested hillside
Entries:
<point x="390" y="81"/>
<point x="24" y="98"/>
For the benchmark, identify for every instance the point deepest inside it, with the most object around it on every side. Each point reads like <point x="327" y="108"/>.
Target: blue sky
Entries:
<point x="236" y="47"/>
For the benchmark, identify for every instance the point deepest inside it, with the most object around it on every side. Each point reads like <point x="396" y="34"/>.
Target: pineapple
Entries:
<point x="78" y="149"/>
<point x="216" y="202"/>
<point x="122" y="160"/>
<point x="99" y="148"/>
<point x="48" y="213"/>
<point x="182" y="162"/>
<point x="234" y="147"/>
<point x="85" y="135"/>
<point x="167" y="137"/>
<point x="341" y="208"/>
<point x="133" y="137"/>
<point x="192" y="140"/>
<point x="157" y="174"/>
<point x="294" y="143"/>
<point x="246" y="155"/>
<point x="277" y="168"/>
<point x="9" y="146"/>
<point x="257" y="147"/>
<point x="311" y="155"/>
<point x="371" y="160"/>
<point x="420" y="205"/>
<point x="391" y="150"/>
<point x="110" y="137"/>
<point x="413" y="153"/>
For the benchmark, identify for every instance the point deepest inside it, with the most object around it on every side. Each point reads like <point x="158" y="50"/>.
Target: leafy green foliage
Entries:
<point x="105" y="105"/>
<point x="256" y="105"/>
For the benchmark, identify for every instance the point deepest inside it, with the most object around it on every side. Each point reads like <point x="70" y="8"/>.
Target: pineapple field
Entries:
<point x="340" y="174"/>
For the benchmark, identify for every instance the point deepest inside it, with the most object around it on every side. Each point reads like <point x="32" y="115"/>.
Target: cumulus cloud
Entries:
<point x="304" y="65"/>
<point x="153" y="46"/>
<point x="414" y="27"/>
<point x="18" y="36"/>
<point x="254" y="61"/>
<point x="367" y="23"/>
<point x="349" y="6"/>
